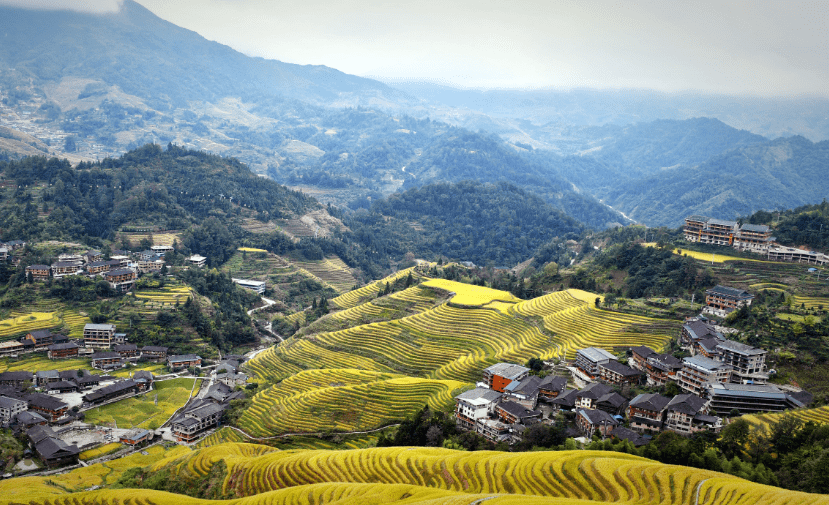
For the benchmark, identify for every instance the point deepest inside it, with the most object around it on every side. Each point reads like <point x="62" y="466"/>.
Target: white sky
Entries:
<point x="760" y="47"/>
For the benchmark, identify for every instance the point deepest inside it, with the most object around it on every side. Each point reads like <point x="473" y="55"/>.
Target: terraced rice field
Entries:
<point x="100" y="451"/>
<point x="331" y="271"/>
<point x="413" y="300"/>
<point x="450" y="342"/>
<point x="427" y="475"/>
<point x="156" y="238"/>
<point x="142" y="411"/>
<point x="337" y="399"/>
<point x="24" y="322"/>
<point x="166" y="296"/>
<point x="469" y="295"/>
<point x="369" y="291"/>
<point x="762" y="421"/>
<point x="577" y="325"/>
<point x="716" y="257"/>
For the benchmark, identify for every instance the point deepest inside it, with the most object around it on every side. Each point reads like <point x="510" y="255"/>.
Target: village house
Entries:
<point x="183" y="361"/>
<point x="121" y="279"/>
<point x="135" y="437"/>
<point x="62" y="386"/>
<point x="513" y="413"/>
<point x="144" y="379"/>
<point x="551" y="387"/>
<point x="39" y="340"/>
<point x="566" y="400"/>
<point x="588" y="397"/>
<point x="697" y="371"/>
<point x="27" y="419"/>
<point x="724" y="299"/>
<point x="589" y="359"/>
<point x="613" y="403"/>
<point x="149" y="265"/>
<point x="588" y="421"/>
<point x="101" y="336"/>
<point x="4" y="253"/>
<point x="127" y="351"/>
<point x="188" y="425"/>
<point x="500" y="375"/>
<point x="232" y="379"/>
<point x="255" y="286"/>
<point x="197" y="261"/>
<point x="686" y="414"/>
<point x="475" y="404"/>
<point x="16" y="379"/>
<point x="44" y="377"/>
<point x="753" y="237"/>
<point x="523" y="392"/>
<point x="64" y="268"/>
<point x="161" y="250"/>
<point x="47" y="406"/>
<point x="107" y="360"/>
<point x="11" y="349"/>
<point x="65" y="350"/>
<point x="53" y="451"/>
<point x="97" y="267"/>
<point x="646" y="412"/>
<point x="658" y="368"/>
<point x="153" y="352"/>
<point x="613" y="372"/>
<point x="696" y="330"/>
<point x="39" y="272"/>
<point x="74" y="259"/>
<point x="92" y="256"/>
<point x="88" y="381"/>
<point x="120" y="389"/>
<point x="10" y="408"/>
<point x="493" y="430"/>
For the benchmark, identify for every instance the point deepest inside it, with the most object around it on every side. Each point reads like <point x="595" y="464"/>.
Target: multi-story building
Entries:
<point x="11" y="349"/>
<point x="500" y="375"/>
<point x="513" y="413"/>
<point x="97" y="267"/>
<point x="48" y="406"/>
<point x="523" y="392"/>
<point x="65" y="350"/>
<point x="127" y="351"/>
<point x="687" y="414"/>
<point x="726" y="298"/>
<point x="64" y="268"/>
<point x="748" y="363"/>
<point x="107" y="360"/>
<point x="706" y="230"/>
<point x="589" y="396"/>
<point x="101" y="336"/>
<point x="781" y="253"/>
<point x="749" y="398"/>
<point x="753" y="237"/>
<point x="10" y="407"/>
<point x="152" y="264"/>
<point x="551" y="387"/>
<point x="154" y="352"/>
<point x="197" y="261"/>
<point x="588" y="421"/>
<point x="613" y="372"/>
<point x="646" y="412"/>
<point x="695" y="330"/>
<point x="589" y="359"/>
<point x="697" y="371"/>
<point x="183" y="361"/>
<point x="39" y="272"/>
<point x="190" y="424"/>
<point x="475" y="404"/>
<point x="256" y="286"/>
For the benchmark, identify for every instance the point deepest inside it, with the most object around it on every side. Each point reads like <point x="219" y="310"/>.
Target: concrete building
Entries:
<point x="749" y="398"/>
<point x="500" y="375"/>
<point x="475" y="404"/>
<point x="256" y="286"/>
<point x="101" y="336"/>
<point x="697" y="371"/>
<point x="589" y="359"/>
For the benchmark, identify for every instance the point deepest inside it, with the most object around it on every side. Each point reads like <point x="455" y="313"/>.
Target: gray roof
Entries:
<point x="125" y="347"/>
<point x="38" y="334"/>
<point x="553" y="383"/>
<point x="698" y="218"/>
<point x="709" y="344"/>
<point x="730" y="292"/>
<point x="183" y="357"/>
<point x="613" y="399"/>
<point x="476" y="394"/>
<point x="38" y="433"/>
<point x="527" y="386"/>
<point x="38" y="267"/>
<point x="153" y="348"/>
<point x="594" y="391"/>
<point x="746" y="390"/>
<point x="16" y="376"/>
<point x="758" y="228"/>
<point x="205" y="410"/>
<point x="566" y="398"/>
<point x="50" y="447"/>
<point x="597" y="417"/>
<point x="740" y="347"/>
<point x="59" y="347"/>
<point x="9" y="403"/>
<point x="507" y="370"/>
<point x="705" y="363"/>
<point x="92" y="326"/>
<point x="650" y="401"/>
<point x="105" y="355"/>
<point x="686" y="403"/>
<point x="47" y="374"/>
<point x="29" y="417"/>
<point x="721" y="222"/>
<point x="117" y="272"/>
<point x="627" y="434"/>
<point x="699" y="330"/>
<point x="517" y="410"/>
<point x="136" y="435"/>
<point x="46" y="402"/>
<point x="595" y="354"/>
<point x="143" y="374"/>
<point x="624" y="370"/>
<point x="643" y="351"/>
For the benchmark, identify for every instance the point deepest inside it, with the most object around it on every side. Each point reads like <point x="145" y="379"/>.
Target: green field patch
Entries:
<point x="149" y="410"/>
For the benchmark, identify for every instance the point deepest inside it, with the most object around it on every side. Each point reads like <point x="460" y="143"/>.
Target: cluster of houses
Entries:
<point x="8" y="250"/>
<point x="120" y="270"/>
<point x="746" y="237"/>
<point x="721" y="377"/>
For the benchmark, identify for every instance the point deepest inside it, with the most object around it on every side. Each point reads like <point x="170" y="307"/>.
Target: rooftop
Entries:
<point x="99" y="327"/>
<point x="730" y="292"/>
<point x="740" y="347"/>
<point x="650" y="401"/>
<point x="479" y="396"/>
<point x="704" y="363"/>
<point x="595" y="354"/>
<point x="507" y="370"/>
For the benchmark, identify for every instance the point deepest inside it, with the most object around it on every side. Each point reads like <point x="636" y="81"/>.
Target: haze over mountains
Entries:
<point x="96" y="85"/>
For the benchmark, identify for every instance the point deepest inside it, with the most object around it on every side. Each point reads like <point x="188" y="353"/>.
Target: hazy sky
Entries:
<point x="762" y="47"/>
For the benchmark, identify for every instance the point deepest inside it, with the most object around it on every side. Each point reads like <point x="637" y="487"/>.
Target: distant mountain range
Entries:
<point x="99" y="85"/>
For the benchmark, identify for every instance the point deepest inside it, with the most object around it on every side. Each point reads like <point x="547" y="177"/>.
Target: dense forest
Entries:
<point x="807" y="225"/>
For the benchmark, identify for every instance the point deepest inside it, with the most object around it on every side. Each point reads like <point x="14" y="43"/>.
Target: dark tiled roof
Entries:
<point x="16" y="376"/>
<point x="650" y="401"/>
<point x="594" y="391"/>
<point x="624" y="370"/>
<point x="125" y="347"/>
<point x="730" y="292"/>
<point x="51" y="447"/>
<point x="597" y="417"/>
<point x="613" y="399"/>
<point x="552" y="383"/>
<point x="64" y="346"/>
<point x="153" y="348"/>
<point x="183" y="357"/>
<point x="105" y="355"/>
<point x="686" y="403"/>
<point x="46" y="402"/>
<point x="643" y="351"/>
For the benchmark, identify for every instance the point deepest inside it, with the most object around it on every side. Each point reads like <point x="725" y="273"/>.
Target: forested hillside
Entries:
<point x="783" y="173"/>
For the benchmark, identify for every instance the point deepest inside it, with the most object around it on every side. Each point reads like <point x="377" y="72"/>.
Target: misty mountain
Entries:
<point x="782" y="173"/>
<point x="157" y="61"/>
